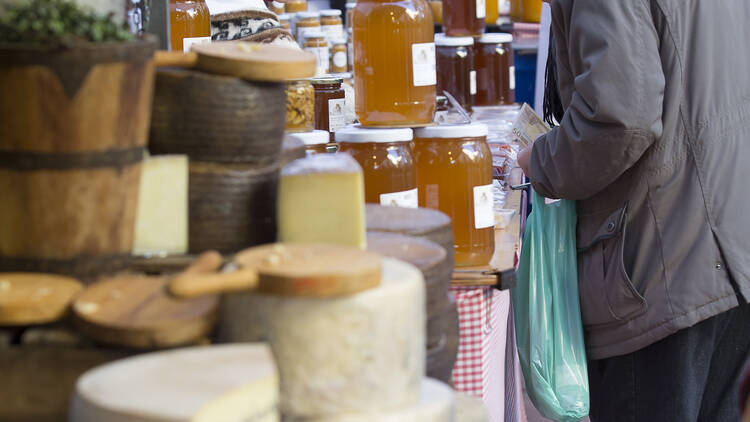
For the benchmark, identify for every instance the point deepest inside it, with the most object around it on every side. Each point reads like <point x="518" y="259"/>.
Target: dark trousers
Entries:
<point x="689" y="376"/>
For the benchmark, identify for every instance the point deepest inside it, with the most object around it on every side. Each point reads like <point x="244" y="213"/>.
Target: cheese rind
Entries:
<point x="161" y="222"/>
<point x="363" y="352"/>
<point x="321" y="200"/>
<point x="227" y="383"/>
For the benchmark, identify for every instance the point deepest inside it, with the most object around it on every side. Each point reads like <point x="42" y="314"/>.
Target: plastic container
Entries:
<point x="454" y="175"/>
<point x="455" y="68"/>
<point x="494" y="64"/>
<point x="387" y="162"/>
<point x="394" y="63"/>
<point x="330" y="104"/>
<point x="316" y="141"/>
<point x="464" y="17"/>
<point x="189" y="23"/>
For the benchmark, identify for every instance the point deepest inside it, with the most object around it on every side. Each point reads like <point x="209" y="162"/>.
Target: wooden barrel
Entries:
<point x="74" y="124"/>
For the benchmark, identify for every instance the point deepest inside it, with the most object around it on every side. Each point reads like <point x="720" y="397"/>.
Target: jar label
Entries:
<point x="188" y="42"/>
<point x="405" y="199"/>
<point x="483" y="200"/>
<point x="512" y="77"/>
<point x="332" y="31"/>
<point x="481" y="9"/>
<point x="423" y="63"/>
<point x="323" y="56"/>
<point x="339" y="59"/>
<point x="336" y="114"/>
<point x="473" y="82"/>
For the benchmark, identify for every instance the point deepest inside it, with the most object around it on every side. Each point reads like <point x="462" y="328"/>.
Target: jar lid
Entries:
<point x="308" y="15"/>
<point x="471" y="130"/>
<point x="351" y="5"/>
<point x="314" y="34"/>
<point x="496" y="38"/>
<point x="442" y="40"/>
<point x="327" y="80"/>
<point x="283" y="17"/>
<point x="316" y="137"/>
<point x="357" y="134"/>
<point x="330" y="12"/>
<point x="343" y="75"/>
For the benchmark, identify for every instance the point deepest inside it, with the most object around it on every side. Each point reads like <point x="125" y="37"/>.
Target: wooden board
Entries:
<point x="29" y="298"/>
<point x="255" y="61"/>
<point x="136" y="311"/>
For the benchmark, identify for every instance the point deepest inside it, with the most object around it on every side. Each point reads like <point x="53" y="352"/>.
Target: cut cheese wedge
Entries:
<point x="321" y="200"/>
<point x="229" y="383"/>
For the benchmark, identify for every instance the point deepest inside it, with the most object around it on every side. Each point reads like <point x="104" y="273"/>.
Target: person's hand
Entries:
<point x="524" y="156"/>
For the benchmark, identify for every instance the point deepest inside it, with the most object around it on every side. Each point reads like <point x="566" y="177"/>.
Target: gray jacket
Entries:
<point x="655" y="146"/>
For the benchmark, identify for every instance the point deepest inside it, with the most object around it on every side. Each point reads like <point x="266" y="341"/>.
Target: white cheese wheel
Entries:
<point x="436" y="404"/>
<point x="228" y="383"/>
<point x="470" y="408"/>
<point x="363" y="352"/>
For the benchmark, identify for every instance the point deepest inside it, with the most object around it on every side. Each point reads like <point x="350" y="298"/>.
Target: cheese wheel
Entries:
<point x="364" y="352"/>
<point x="470" y="408"/>
<point x="436" y="404"/>
<point x="229" y="383"/>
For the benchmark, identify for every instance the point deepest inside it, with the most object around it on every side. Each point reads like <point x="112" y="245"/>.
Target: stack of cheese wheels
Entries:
<point x="228" y="383"/>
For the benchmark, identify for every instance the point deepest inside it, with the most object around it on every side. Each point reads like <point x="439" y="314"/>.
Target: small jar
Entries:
<point x="307" y="22"/>
<point x="339" y="60"/>
<point x="285" y="21"/>
<point x="454" y="175"/>
<point x="316" y="142"/>
<point x="387" y="163"/>
<point x="463" y="18"/>
<point x="496" y="73"/>
<point x="330" y="104"/>
<point x="315" y="42"/>
<point x="190" y="23"/>
<point x="295" y="6"/>
<point x="349" y="9"/>
<point x="331" y="24"/>
<point x="300" y="106"/>
<point x="455" y="68"/>
<point x="277" y="7"/>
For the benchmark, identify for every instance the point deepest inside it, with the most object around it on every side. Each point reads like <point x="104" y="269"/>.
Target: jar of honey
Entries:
<point x="295" y="6"/>
<point x="284" y="20"/>
<point x="493" y="11"/>
<point x="526" y="10"/>
<point x="331" y="24"/>
<point x="387" y="163"/>
<point x="276" y="7"/>
<point x="437" y="11"/>
<point x="496" y="73"/>
<point x="454" y="175"/>
<point x="330" y="104"/>
<point x="464" y="17"/>
<point x="306" y="22"/>
<point x="316" y="141"/>
<point x="455" y="68"/>
<point x="189" y="23"/>
<point x="394" y="63"/>
<point x="315" y="42"/>
<point x="339" y="60"/>
<point x="300" y="106"/>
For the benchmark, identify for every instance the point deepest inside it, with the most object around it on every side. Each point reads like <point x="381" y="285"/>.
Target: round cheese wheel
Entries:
<point x="228" y="383"/>
<point x="470" y="409"/>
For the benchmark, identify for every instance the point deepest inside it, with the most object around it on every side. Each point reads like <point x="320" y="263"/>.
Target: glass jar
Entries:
<point x="276" y="7"/>
<point x="387" y="163"/>
<point x="454" y="175"/>
<point x="339" y="60"/>
<point x="464" y="17"/>
<point x="437" y="11"/>
<point x="526" y="10"/>
<point x="496" y="73"/>
<point x="394" y="63"/>
<point x="330" y="104"/>
<point x="349" y="11"/>
<point x="316" y="141"/>
<point x="493" y="12"/>
<point x="284" y="20"/>
<point x="306" y="22"/>
<point x="189" y="23"/>
<point x="315" y="42"/>
<point x="455" y="68"/>
<point x="295" y="6"/>
<point x="331" y="24"/>
<point x="300" y="106"/>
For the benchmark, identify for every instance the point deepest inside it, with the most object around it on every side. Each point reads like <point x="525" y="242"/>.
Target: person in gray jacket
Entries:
<point x="654" y="143"/>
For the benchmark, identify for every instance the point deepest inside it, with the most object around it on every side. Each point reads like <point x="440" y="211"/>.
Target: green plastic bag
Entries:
<point x="548" y="314"/>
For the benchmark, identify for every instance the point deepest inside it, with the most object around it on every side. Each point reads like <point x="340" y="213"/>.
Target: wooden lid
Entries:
<point x="255" y="61"/>
<point x="29" y="298"/>
<point x="135" y="311"/>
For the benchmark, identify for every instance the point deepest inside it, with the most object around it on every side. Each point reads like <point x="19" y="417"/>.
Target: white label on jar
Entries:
<point x="323" y="56"/>
<point x="423" y="63"/>
<point x="481" y="9"/>
<point x="483" y="199"/>
<point x="512" y="77"/>
<point x="431" y="197"/>
<point x="405" y="199"/>
<point x="332" y="31"/>
<point x="339" y="59"/>
<point x="336" y="114"/>
<point x="188" y="42"/>
<point x="473" y="82"/>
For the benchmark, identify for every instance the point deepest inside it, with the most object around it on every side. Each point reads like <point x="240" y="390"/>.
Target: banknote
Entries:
<point x="528" y="126"/>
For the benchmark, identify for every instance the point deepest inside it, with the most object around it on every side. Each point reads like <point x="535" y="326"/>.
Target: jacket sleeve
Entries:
<point x="615" y="111"/>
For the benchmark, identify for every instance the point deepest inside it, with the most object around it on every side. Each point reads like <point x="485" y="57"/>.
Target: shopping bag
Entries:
<point x="548" y="315"/>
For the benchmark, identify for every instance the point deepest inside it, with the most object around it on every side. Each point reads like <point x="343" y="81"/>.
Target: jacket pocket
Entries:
<point x="606" y="291"/>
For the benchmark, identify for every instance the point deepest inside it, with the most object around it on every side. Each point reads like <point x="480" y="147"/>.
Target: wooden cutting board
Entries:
<point x="29" y="298"/>
<point x="137" y="312"/>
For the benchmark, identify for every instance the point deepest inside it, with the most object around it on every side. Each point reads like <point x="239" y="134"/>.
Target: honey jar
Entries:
<point x="315" y="42"/>
<point x="284" y="20"/>
<point x="300" y="106"/>
<point x="455" y="68"/>
<point x="339" y="60"/>
<point x="387" y="162"/>
<point x="189" y="23"/>
<point x="295" y="6"/>
<point x="394" y="63"/>
<point x="316" y="141"/>
<point x="464" y="17"/>
<point x="330" y="104"/>
<point x="276" y="7"/>
<point x="496" y="73"/>
<point x="331" y="24"/>
<point x="454" y="175"/>
<point x="306" y="22"/>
